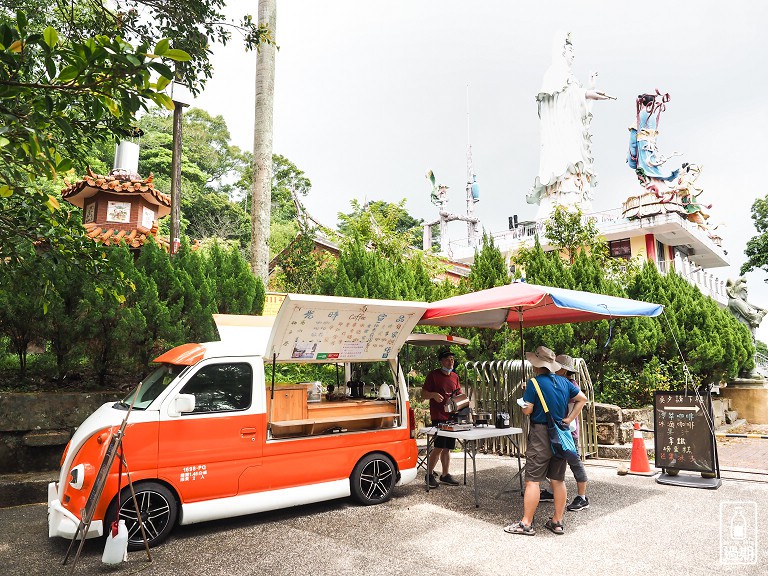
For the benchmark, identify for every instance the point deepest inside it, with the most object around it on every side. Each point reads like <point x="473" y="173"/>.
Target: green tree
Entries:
<point x="211" y="169"/>
<point x="160" y="331"/>
<point x="419" y="285"/>
<point x="287" y="180"/>
<point x="77" y="73"/>
<point x="571" y="233"/>
<point x="112" y="322"/>
<point x="198" y="296"/>
<point x="197" y="28"/>
<point x="63" y="322"/>
<point x="209" y="161"/>
<point x="213" y="215"/>
<point x="236" y="289"/>
<point x="386" y="229"/>
<point x="489" y="269"/>
<point x="757" y="246"/>
<point x="377" y="220"/>
<point x="365" y="273"/>
<point x="298" y="266"/>
<point x="362" y="273"/>
<point x="55" y="90"/>
<point x="155" y="265"/>
<point x="216" y="179"/>
<point x="19" y="308"/>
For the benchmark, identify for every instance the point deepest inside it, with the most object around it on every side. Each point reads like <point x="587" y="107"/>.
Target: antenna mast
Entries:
<point x="473" y="191"/>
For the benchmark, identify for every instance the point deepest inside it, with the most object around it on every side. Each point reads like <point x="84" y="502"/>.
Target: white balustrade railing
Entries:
<point x="709" y="284"/>
<point x="761" y="363"/>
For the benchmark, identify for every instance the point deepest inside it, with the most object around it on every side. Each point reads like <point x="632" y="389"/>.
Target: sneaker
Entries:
<point x="579" y="503"/>
<point x="431" y="480"/>
<point x="546" y="496"/>
<point x="448" y="479"/>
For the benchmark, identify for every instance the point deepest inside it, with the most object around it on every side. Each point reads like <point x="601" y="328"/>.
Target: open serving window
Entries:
<point x="331" y="364"/>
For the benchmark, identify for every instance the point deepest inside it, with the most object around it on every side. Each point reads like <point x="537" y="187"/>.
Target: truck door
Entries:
<point x="204" y="452"/>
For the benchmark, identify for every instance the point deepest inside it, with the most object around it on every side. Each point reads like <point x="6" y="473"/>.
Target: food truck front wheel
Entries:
<point x="158" y="508"/>
<point x="373" y="479"/>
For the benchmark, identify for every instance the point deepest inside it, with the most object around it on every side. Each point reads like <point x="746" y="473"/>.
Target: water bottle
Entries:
<point x="116" y="548"/>
<point x="738" y="525"/>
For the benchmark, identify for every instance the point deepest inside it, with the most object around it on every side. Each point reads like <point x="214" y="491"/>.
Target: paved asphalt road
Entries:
<point x="635" y="526"/>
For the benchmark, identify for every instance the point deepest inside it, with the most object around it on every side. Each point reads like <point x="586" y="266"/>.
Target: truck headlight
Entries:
<point x="77" y="476"/>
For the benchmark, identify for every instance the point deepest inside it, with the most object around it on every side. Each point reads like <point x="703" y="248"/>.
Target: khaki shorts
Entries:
<point x="540" y="463"/>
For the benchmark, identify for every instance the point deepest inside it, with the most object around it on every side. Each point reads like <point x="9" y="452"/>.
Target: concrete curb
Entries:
<point x="20" y="489"/>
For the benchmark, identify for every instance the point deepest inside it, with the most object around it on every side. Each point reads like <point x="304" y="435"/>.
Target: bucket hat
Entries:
<point x="543" y="357"/>
<point x="566" y="362"/>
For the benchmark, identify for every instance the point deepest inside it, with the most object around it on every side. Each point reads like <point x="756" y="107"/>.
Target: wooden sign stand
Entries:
<point x="86" y="514"/>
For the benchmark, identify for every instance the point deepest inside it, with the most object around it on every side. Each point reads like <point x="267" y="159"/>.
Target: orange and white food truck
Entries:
<point x="236" y="427"/>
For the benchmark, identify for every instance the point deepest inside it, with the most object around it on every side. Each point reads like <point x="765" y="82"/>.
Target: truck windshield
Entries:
<point x="151" y="387"/>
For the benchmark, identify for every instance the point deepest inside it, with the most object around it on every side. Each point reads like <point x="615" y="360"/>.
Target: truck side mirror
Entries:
<point x="182" y="403"/>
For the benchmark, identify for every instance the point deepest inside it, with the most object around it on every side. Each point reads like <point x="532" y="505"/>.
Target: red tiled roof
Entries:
<point x="121" y="184"/>
<point x="133" y="238"/>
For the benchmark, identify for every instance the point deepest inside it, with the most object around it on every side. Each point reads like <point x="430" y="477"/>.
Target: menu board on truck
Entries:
<point x="330" y="329"/>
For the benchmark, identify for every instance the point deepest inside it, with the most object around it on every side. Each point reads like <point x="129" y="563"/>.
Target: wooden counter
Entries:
<point x="326" y="416"/>
<point x="326" y="408"/>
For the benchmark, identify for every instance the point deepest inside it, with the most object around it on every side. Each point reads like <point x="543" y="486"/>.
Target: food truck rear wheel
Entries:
<point x="373" y="479"/>
<point x="158" y="509"/>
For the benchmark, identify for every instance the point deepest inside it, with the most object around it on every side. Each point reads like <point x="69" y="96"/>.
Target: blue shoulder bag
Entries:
<point x="560" y="437"/>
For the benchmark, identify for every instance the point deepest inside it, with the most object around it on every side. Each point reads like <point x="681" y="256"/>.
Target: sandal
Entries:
<point x="520" y="528"/>
<point x="554" y="527"/>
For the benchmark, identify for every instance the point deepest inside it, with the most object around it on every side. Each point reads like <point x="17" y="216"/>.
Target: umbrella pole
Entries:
<point x="522" y="345"/>
<point x="522" y="382"/>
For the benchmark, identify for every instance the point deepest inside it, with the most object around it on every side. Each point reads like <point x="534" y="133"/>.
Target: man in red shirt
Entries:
<point x="438" y="387"/>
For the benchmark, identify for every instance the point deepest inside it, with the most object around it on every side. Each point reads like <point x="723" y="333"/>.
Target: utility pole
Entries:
<point x="176" y="179"/>
<point x="181" y="98"/>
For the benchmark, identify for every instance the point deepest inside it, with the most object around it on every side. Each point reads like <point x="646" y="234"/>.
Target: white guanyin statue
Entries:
<point x="566" y="168"/>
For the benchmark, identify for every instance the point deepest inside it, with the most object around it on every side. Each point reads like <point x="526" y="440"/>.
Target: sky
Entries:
<point x="371" y="95"/>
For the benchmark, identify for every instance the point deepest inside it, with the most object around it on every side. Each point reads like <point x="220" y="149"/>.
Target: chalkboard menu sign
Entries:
<point x="683" y="437"/>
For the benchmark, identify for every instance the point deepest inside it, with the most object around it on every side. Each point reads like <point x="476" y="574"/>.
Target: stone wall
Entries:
<point x="35" y="427"/>
<point x="616" y="425"/>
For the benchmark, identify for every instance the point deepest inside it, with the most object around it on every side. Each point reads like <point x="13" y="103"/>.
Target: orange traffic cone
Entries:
<point x="639" y="464"/>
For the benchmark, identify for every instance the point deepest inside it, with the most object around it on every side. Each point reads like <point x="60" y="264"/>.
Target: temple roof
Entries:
<point x="133" y="238"/>
<point x="121" y="184"/>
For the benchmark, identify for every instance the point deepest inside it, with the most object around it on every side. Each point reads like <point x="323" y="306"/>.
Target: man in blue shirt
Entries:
<point x="540" y="463"/>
